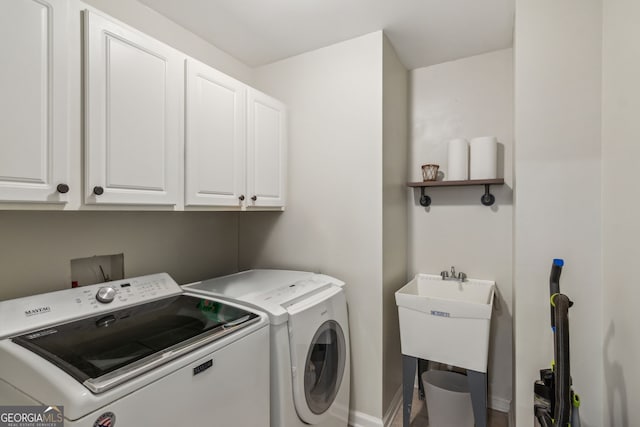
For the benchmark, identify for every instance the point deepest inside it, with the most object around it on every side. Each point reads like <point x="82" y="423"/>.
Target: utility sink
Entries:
<point x="446" y="321"/>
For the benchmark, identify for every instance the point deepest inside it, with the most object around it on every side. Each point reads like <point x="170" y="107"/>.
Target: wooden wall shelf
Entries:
<point x="487" y="198"/>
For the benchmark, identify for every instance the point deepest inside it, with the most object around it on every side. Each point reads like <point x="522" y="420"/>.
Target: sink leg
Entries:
<point x="408" y="378"/>
<point x="423" y="365"/>
<point x="478" y="388"/>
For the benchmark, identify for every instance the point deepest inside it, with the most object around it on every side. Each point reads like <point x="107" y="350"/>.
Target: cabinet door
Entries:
<point x="215" y="137"/>
<point x="266" y="150"/>
<point x="133" y="90"/>
<point x="33" y="101"/>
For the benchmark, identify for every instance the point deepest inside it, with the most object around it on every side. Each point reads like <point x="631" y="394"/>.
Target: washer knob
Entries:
<point x="106" y="295"/>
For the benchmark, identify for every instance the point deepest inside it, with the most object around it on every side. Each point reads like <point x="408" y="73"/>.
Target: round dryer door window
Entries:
<point x="324" y="367"/>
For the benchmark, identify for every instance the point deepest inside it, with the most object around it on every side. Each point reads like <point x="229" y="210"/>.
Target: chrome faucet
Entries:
<point x="446" y="275"/>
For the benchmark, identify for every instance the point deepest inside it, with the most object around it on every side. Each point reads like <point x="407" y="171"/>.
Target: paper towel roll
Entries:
<point x="458" y="166"/>
<point x="483" y="158"/>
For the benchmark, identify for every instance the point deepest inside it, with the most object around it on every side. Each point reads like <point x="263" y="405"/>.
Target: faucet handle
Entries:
<point x="444" y="274"/>
<point x="462" y="277"/>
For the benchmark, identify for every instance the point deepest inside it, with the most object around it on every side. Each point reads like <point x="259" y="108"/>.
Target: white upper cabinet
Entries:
<point x="215" y="137"/>
<point x="266" y="150"/>
<point x="235" y="142"/>
<point x="133" y="107"/>
<point x="33" y="101"/>
<point x="161" y="130"/>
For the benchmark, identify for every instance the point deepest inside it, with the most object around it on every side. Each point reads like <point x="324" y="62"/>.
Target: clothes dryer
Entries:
<point x="310" y="357"/>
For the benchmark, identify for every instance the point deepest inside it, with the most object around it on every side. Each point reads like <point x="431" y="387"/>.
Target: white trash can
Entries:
<point x="448" y="399"/>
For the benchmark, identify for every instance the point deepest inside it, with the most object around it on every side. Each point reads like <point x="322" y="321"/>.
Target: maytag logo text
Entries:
<point x="39" y="310"/>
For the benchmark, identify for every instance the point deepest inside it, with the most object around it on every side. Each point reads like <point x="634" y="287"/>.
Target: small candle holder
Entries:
<point x="430" y="172"/>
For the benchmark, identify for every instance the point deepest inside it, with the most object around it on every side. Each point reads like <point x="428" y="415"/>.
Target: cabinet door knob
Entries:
<point x="241" y="197"/>
<point x="97" y="190"/>
<point x="62" y="188"/>
<point x="254" y="198"/>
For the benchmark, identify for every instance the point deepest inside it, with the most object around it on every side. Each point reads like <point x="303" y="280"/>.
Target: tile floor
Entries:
<point x="419" y="416"/>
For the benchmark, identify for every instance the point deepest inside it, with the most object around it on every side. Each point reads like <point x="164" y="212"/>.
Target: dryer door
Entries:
<point x="324" y="367"/>
<point x="318" y="353"/>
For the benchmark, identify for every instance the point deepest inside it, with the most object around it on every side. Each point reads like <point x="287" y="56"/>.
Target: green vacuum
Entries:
<point x="555" y="402"/>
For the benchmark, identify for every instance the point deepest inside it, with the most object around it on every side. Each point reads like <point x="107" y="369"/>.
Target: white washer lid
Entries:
<point x="242" y="286"/>
<point x="267" y="290"/>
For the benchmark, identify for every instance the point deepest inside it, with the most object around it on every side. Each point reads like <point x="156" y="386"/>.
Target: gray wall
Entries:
<point x="333" y="219"/>
<point x="37" y="247"/>
<point x="620" y="204"/>
<point x="395" y="146"/>
<point x="558" y="55"/>
<point x="467" y="98"/>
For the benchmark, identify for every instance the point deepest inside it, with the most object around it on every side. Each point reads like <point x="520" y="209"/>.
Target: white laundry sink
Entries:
<point x="446" y="321"/>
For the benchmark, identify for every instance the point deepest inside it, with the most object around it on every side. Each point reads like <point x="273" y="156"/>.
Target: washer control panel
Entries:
<point x="106" y="294"/>
<point x="39" y="311"/>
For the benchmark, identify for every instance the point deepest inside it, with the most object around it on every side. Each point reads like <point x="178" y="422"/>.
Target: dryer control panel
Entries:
<point x="290" y="293"/>
<point x="21" y="315"/>
<point x="287" y="292"/>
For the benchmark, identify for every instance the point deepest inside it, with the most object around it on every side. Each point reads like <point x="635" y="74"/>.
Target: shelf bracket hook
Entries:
<point x="487" y="198"/>
<point x="424" y="199"/>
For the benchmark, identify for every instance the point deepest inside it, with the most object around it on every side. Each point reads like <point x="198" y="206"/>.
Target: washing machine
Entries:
<point x="309" y="333"/>
<point x="134" y="352"/>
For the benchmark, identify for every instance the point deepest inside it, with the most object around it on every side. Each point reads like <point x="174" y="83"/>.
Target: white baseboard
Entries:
<point x="512" y="418"/>
<point x="499" y="404"/>
<point x="360" y="419"/>
<point x="394" y="407"/>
